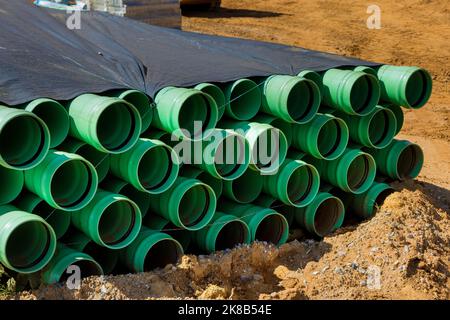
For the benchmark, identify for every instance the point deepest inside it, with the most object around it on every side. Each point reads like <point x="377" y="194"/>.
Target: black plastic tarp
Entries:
<point x="41" y="57"/>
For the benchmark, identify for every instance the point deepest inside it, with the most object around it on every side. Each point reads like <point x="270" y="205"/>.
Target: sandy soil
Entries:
<point x="407" y="242"/>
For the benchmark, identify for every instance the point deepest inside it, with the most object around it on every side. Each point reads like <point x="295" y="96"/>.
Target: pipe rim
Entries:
<point x="307" y="195"/>
<point x="365" y="179"/>
<point x="249" y="95"/>
<point x="415" y="161"/>
<point x="311" y="214"/>
<point x="142" y="104"/>
<point x="310" y="108"/>
<point x="381" y="118"/>
<point x="216" y="93"/>
<point x="216" y="231"/>
<point x="417" y="87"/>
<point x="372" y="92"/>
<point x="260" y="220"/>
<point x="338" y="146"/>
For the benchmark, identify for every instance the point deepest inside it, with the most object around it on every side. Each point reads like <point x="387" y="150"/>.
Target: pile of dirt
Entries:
<point x="401" y="253"/>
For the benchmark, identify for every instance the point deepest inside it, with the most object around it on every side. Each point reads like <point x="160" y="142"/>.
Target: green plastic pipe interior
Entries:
<point x="225" y="232"/>
<point x="155" y="222"/>
<point x="325" y="137"/>
<point x="57" y="269"/>
<point x="400" y="160"/>
<point x="284" y="126"/>
<point x="352" y="92"/>
<point x="151" y="249"/>
<point x="59" y="220"/>
<point x="243" y="99"/>
<point x="100" y="160"/>
<point x="366" y="205"/>
<point x="296" y="183"/>
<point x="109" y="124"/>
<point x="140" y="101"/>
<point x="27" y="242"/>
<point x="266" y="201"/>
<point x="11" y="184"/>
<point x="293" y="99"/>
<point x="375" y="130"/>
<point x="187" y="113"/>
<point x="409" y="87"/>
<point x="24" y="139"/>
<point x="216" y="93"/>
<point x="49" y="180"/>
<point x="189" y="204"/>
<point x="398" y="113"/>
<point x="244" y="189"/>
<point x="110" y="220"/>
<point x="55" y="117"/>
<point x="313" y="76"/>
<point x="203" y="176"/>
<point x="321" y="216"/>
<point x="149" y="166"/>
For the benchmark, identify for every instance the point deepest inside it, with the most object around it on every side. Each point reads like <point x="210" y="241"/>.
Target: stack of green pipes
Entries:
<point x="96" y="182"/>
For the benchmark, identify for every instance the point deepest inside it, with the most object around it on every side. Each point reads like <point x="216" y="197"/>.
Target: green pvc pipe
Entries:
<point x="216" y="93"/>
<point x="11" y="184"/>
<point x="155" y="222"/>
<point x="400" y="160"/>
<point x="115" y="185"/>
<point x="55" y="117"/>
<point x="266" y="201"/>
<point x="268" y="145"/>
<point x="244" y="189"/>
<point x="354" y="171"/>
<point x="225" y="232"/>
<point x="225" y="154"/>
<point x="110" y="220"/>
<point x="187" y="113"/>
<point x="24" y="139"/>
<point x="322" y="216"/>
<point x="352" y="92"/>
<point x="59" y="220"/>
<point x="398" y="113"/>
<point x="375" y="130"/>
<point x="409" y="87"/>
<point x="150" y="166"/>
<point x="324" y="137"/>
<point x="293" y="99"/>
<point x="366" y="204"/>
<point x="189" y="204"/>
<point x="106" y="258"/>
<point x="313" y="76"/>
<point x="27" y="242"/>
<point x="151" y="249"/>
<point x="264" y="224"/>
<point x="100" y="160"/>
<point x="56" y="270"/>
<point x="366" y="69"/>
<point x="278" y="123"/>
<point x="205" y="177"/>
<point x="296" y="183"/>
<point x="243" y="99"/>
<point x="163" y="136"/>
<point x="140" y="101"/>
<point x="108" y="124"/>
<point x="64" y="180"/>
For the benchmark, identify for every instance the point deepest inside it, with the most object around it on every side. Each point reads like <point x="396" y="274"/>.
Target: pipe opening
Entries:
<point x="302" y="101"/>
<point x="194" y="205"/>
<point x="231" y="234"/>
<point x="106" y="258"/>
<point x="117" y="222"/>
<point x="409" y="162"/>
<point x="271" y="149"/>
<point x="23" y="141"/>
<point x="300" y="184"/>
<point x="162" y="253"/>
<point x="87" y="269"/>
<point x="28" y="244"/>
<point x="230" y="162"/>
<point x="363" y="97"/>
<point x="155" y="168"/>
<point x="358" y="172"/>
<point x="195" y="108"/>
<point x="57" y="219"/>
<point x="418" y="88"/>
<point x="142" y="103"/>
<point x="271" y="229"/>
<point x="11" y="184"/>
<point x="329" y="139"/>
<point x="326" y="216"/>
<point x="247" y="187"/>
<point x="245" y="99"/>
<point x="381" y="128"/>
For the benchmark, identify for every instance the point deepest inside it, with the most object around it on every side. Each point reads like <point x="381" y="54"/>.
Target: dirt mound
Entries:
<point x="402" y="253"/>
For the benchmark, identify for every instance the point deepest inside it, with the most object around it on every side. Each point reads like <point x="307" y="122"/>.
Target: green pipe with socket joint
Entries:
<point x="352" y="92"/>
<point x="399" y="160"/>
<point x="150" y="166"/>
<point x="59" y="220"/>
<point x="151" y="249"/>
<point x="64" y="180"/>
<point x="57" y="269"/>
<point x="12" y="182"/>
<point x="324" y="137"/>
<point x="409" y="87"/>
<point x="110" y="220"/>
<point x="398" y="113"/>
<point x="55" y="117"/>
<point x="365" y="205"/>
<point x="375" y="130"/>
<point x="155" y="222"/>
<point x="27" y="242"/>
<point x="225" y="232"/>
<point x="265" y="224"/>
<point x="178" y="109"/>
<point x="243" y="99"/>
<point x="24" y="139"/>
<point x="244" y="189"/>
<point x="278" y="123"/>
<point x="216" y="93"/>
<point x="293" y="99"/>
<point x="100" y="160"/>
<point x="189" y="204"/>
<point x="109" y="124"/>
<point x="266" y="201"/>
<point x="313" y="76"/>
<point x="365" y="69"/>
<point x="296" y="183"/>
<point x="203" y="176"/>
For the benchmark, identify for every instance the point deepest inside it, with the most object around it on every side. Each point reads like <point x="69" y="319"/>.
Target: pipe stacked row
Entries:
<point x="117" y="182"/>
